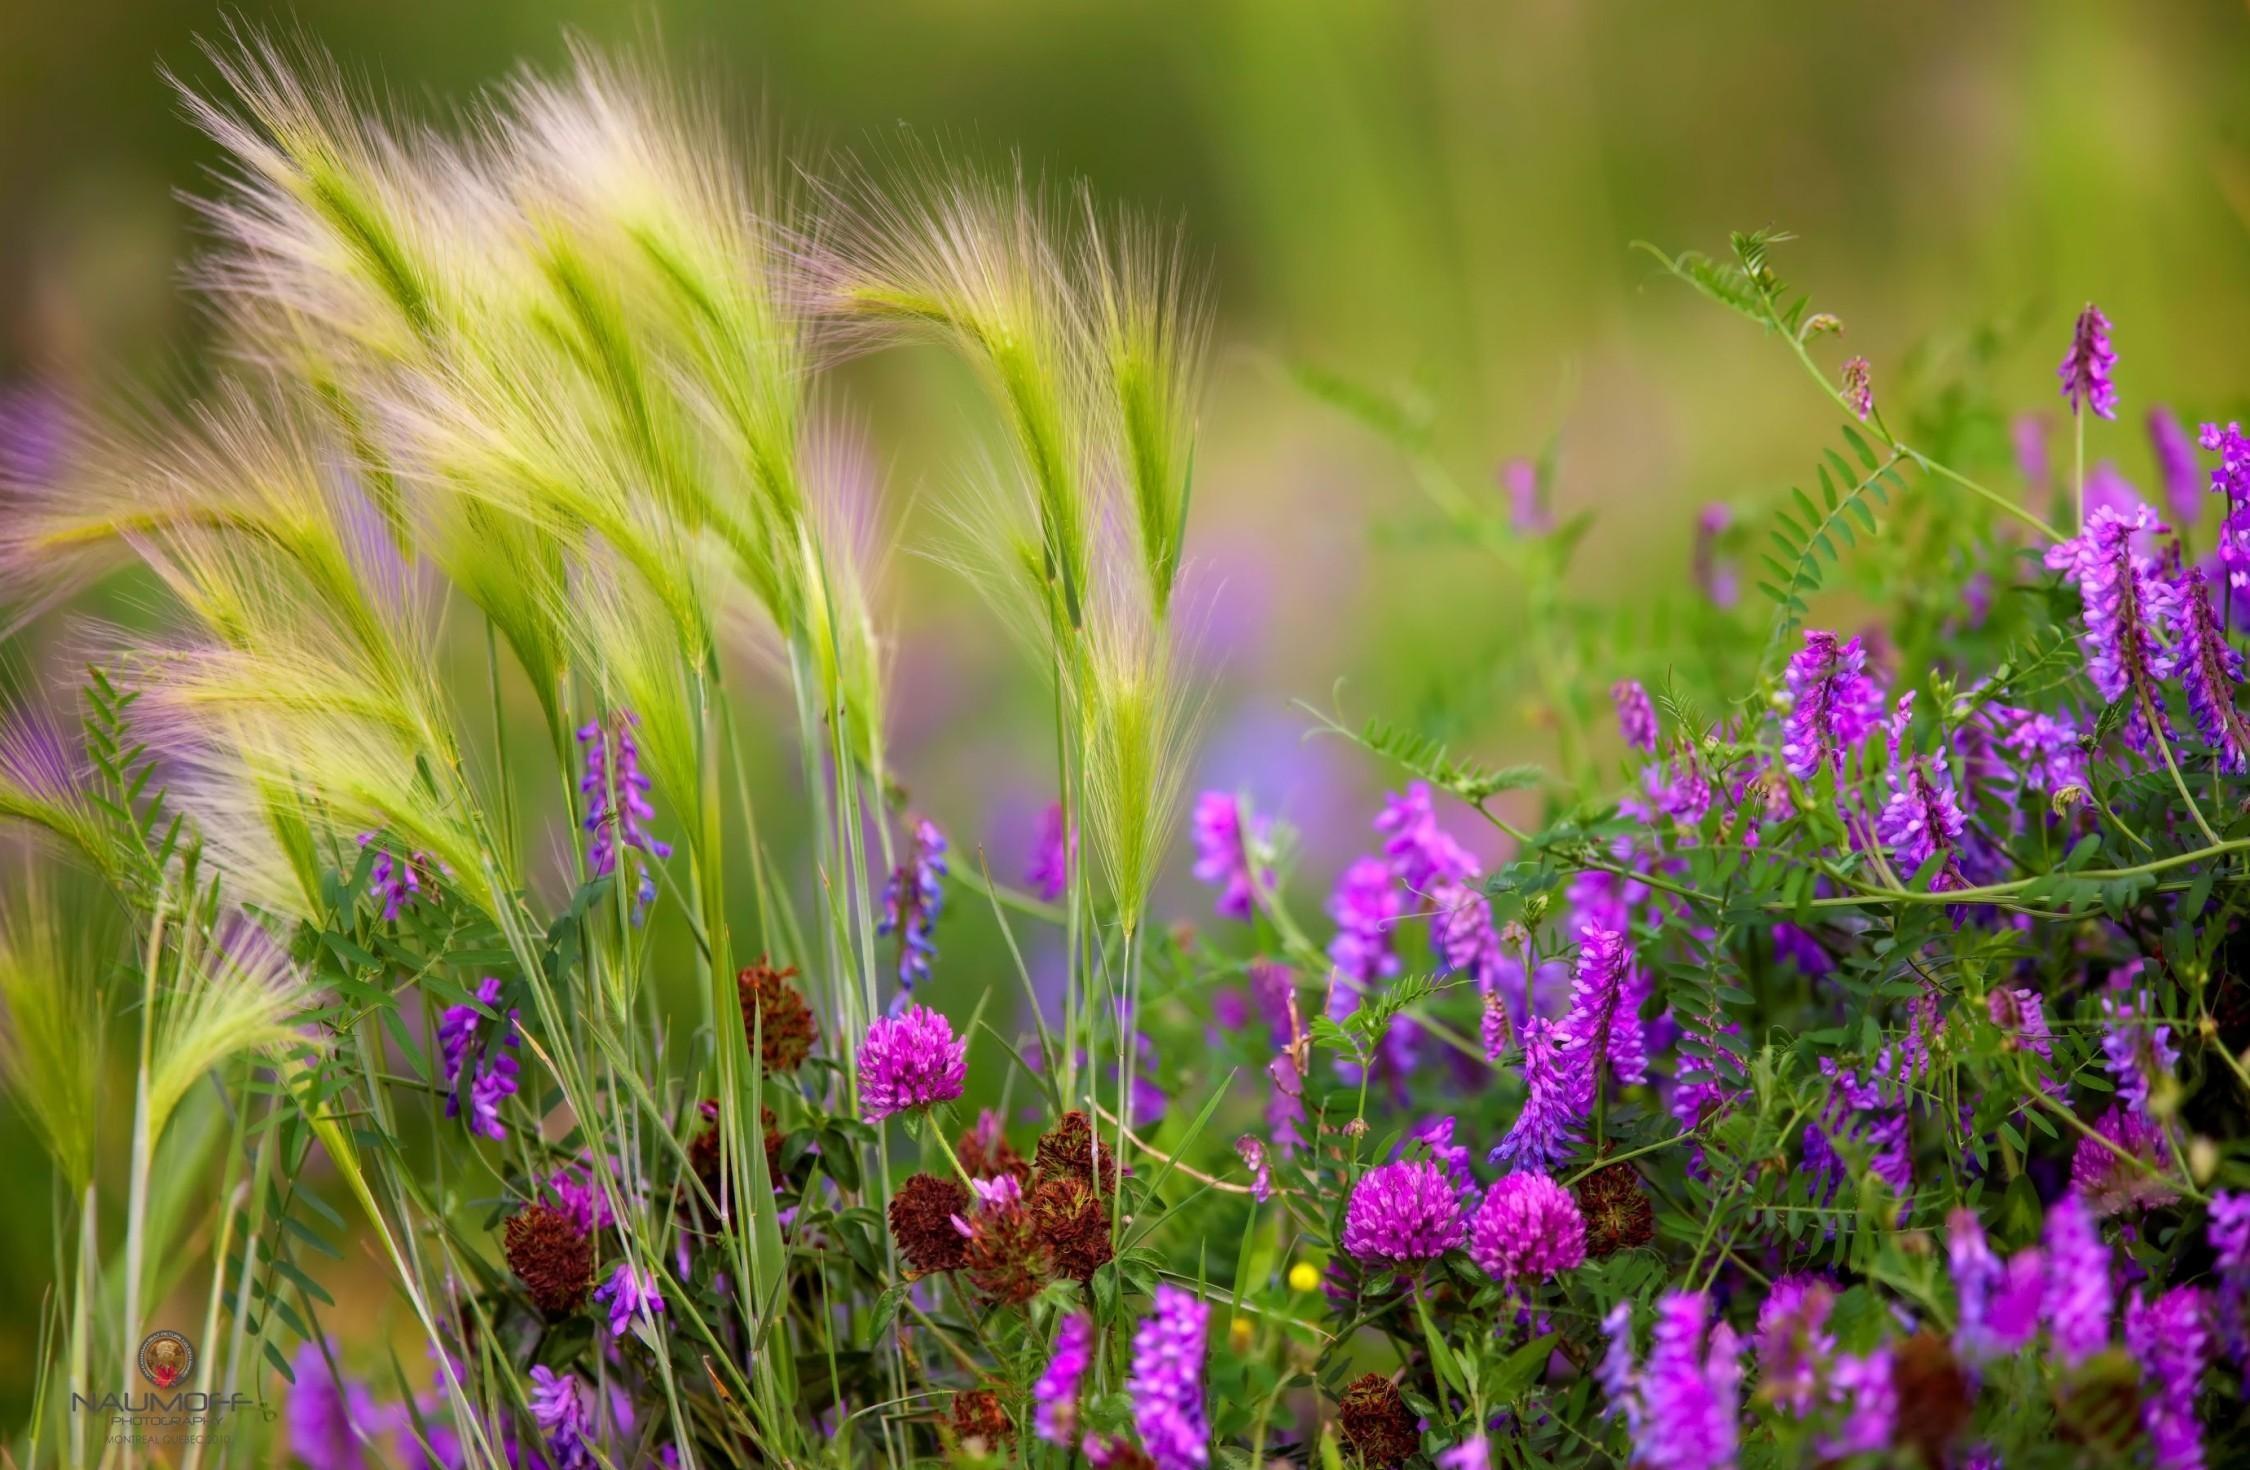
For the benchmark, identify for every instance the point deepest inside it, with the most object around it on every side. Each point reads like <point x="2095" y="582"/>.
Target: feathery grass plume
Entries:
<point x="645" y="176"/>
<point x="57" y="946"/>
<point x="42" y="784"/>
<point x="1136" y="723"/>
<point x="843" y="553"/>
<point x="235" y="997"/>
<point x="1150" y="327"/>
<point x="978" y="262"/>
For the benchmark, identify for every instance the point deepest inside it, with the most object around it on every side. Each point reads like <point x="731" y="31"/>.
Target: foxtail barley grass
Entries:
<point x="528" y="412"/>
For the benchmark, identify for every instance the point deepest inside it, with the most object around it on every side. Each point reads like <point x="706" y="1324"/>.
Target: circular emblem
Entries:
<point x="166" y="1358"/>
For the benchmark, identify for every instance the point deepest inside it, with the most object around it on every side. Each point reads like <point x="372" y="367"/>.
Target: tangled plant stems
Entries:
<point x="1853" y="1075"/>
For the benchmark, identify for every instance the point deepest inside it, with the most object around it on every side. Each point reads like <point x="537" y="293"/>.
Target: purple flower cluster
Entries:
<point x="1794" y="1346"/>
<point x="1636" y="717"/>
<point x="478" y="1064"/>
<point x="913" y="897"/>
<point x="1054" y="1415"/>
<point x="1559" y="1095"/>
<point x="2230" y="481"/>
<point x="2086" y="367"/>
<point x="2080" y="1292"/>
<point x="2137" y="1055"/>
<point x="396" y="881"/>
<point x="629" y="1293"/>
<point x="615" y="790"/>
<point x="1859" y="386"/>
<point x="2175" y="464"/>
<point x="1528" y="1228"/>
<point x="1403" y="1214"/>
<point x="1048" y="872"/>
<point x="1224" y="839"/>
<point x="2210" y="670"/>
<point x="2130" y="612"/>
<point x="1421" y="853"/>
<point x="909" y="1062"/>
<point x="1166" y="1384"/>
<point x="2228" y="1235"/>
<point x="2169" y="1338"/>
<point x="1999" y="1302"/>
<point x="1682" y="1407"/>
<point x="562" y="1408"/>
<point x="1366" y="907"/>
<point x="1832" y="704"/>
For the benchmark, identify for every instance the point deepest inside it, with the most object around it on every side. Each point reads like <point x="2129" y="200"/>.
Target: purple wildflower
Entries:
<point x="1560" y="1094"/>
<point x="583" y="1199"/>
<point x="472" y="1059"/>
<point x="2209" y="671"/>
<point x="2023" y="1015"/>
<point x="2130" y="611"/>
<point x="1436" y="1136"/>
<point x="909" y="1062"/>
<point x="1403" y="1214"/>
<point x="1685" y="794"/>
<point x="1527" y="515"/>
<point x="1528" y="1227"/>
<point x="1923" y="818"/>
<point x="628" y="1294"/>
<point x="1285" y="1103"/>
<point x="1223" y="842"/>
<point x="1274" y="986"/>
<point x="2086" y="367"/>
<point x="396" y="881"/>
<point x="1366" y="907"/>
<point x="1604" y="1023"/>
<point x="1251" y="1149"/>
<point x="1166" y="1384"/>
<point x="1636" y="717"/>
<point x="325" y="1414"/>
<point x="1048" y="873"/>
<point x="2169" y="1340"/>
<point x="1859" y="386"/>
<point x="1793" y="1343"/>
<point x="2136" y="1055"/>
<point x="913" y="897"/>
<point x="618" y="812"/>
<point x="2078" y="1299"/>
<point x="1682" y="1408"/>
<point x="1420" y="852"/>
<point x="1832" y="704"/>
<point x="1054" y="1415"/>
<point x="1863" y="1384"/>
<point x="2230" y="481"/>
<point x="2228" y="1234"/>
<point x="2046" y="750"/>
<point x="2028" y="433"/>
<point x="563" y="1410"/>
<point x="1473" y="1453"/>
<point x="1493" y="1028"/>
<point x="2175" y="463"/>
<point x="2111" y="1185"/>
<point x="1715" y="574"/>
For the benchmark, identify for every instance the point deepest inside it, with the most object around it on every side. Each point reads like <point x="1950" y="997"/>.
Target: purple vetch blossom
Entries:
<point x="1859" y="387"/>
<point x="1464" y="937"/>
<point x="1403" y="1214"/>
<point x="1048" y="872"/>
<point x="909" y="1062"/>
<point x="2175" y="464"/>
<point x="1274" y="986"/>
<point x="1225" y="837"/>
<point x="1473" y="1453"/>
<point x="477" y="1063"/>
<point x="1285" y="1102"/>
<point x="2027" y="432"/>
<point x="2079" y="1295"/>
<point x="1519" y="481"/>
<point x="1251" y="1149"/>
<point x="2230" y="481"/>
<point x="1832" y="704"/>
<point x="1560" y="1094"/>
<point x="1793" y="1343"/>
<point x="1685" y="794"/>
<point x="1636" y="717"/>
<point x="2111" y="1185"/>
<point x="1493" y="1028"/>
<point x="1421" y="853"/>
<point x="628" y="1294"/>
<point x="396" y="881"/>
<point x="1528" y="1228"/>
<point x="1867" y="1111"/>
<point x="2209" y="671"/>
<point x="1054" y="1414"/>
<point x="1682" y="1407"/>
<point x="1923" y="819"/>
<point x="2130" y="611"/>
<point x="1863" y="1385"/>
<point x="2045" y="748"/>
<point x="2137" y="1056"/>
<point x="1436" y="1135"/>
<point x="583" y="1199"/>
<point x="1607" y="995"/>
<point x="1366" y="906"/>
<point x="2022" y="1014"/>
<point x="913" y="897"/>
<point x="1715" y="574"/>
<point x="1166" y="1384"/>
<point x="2087" y="366"/>
<point x="2227" y="1231"/>
<point x="615" y="789"/>
<point x="326" y="1413"/>
<point x="563" y="1410"/>
<point x="2170" y="1340"/>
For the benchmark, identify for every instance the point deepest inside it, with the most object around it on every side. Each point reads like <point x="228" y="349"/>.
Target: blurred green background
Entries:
<point x="1435" y="198"/>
